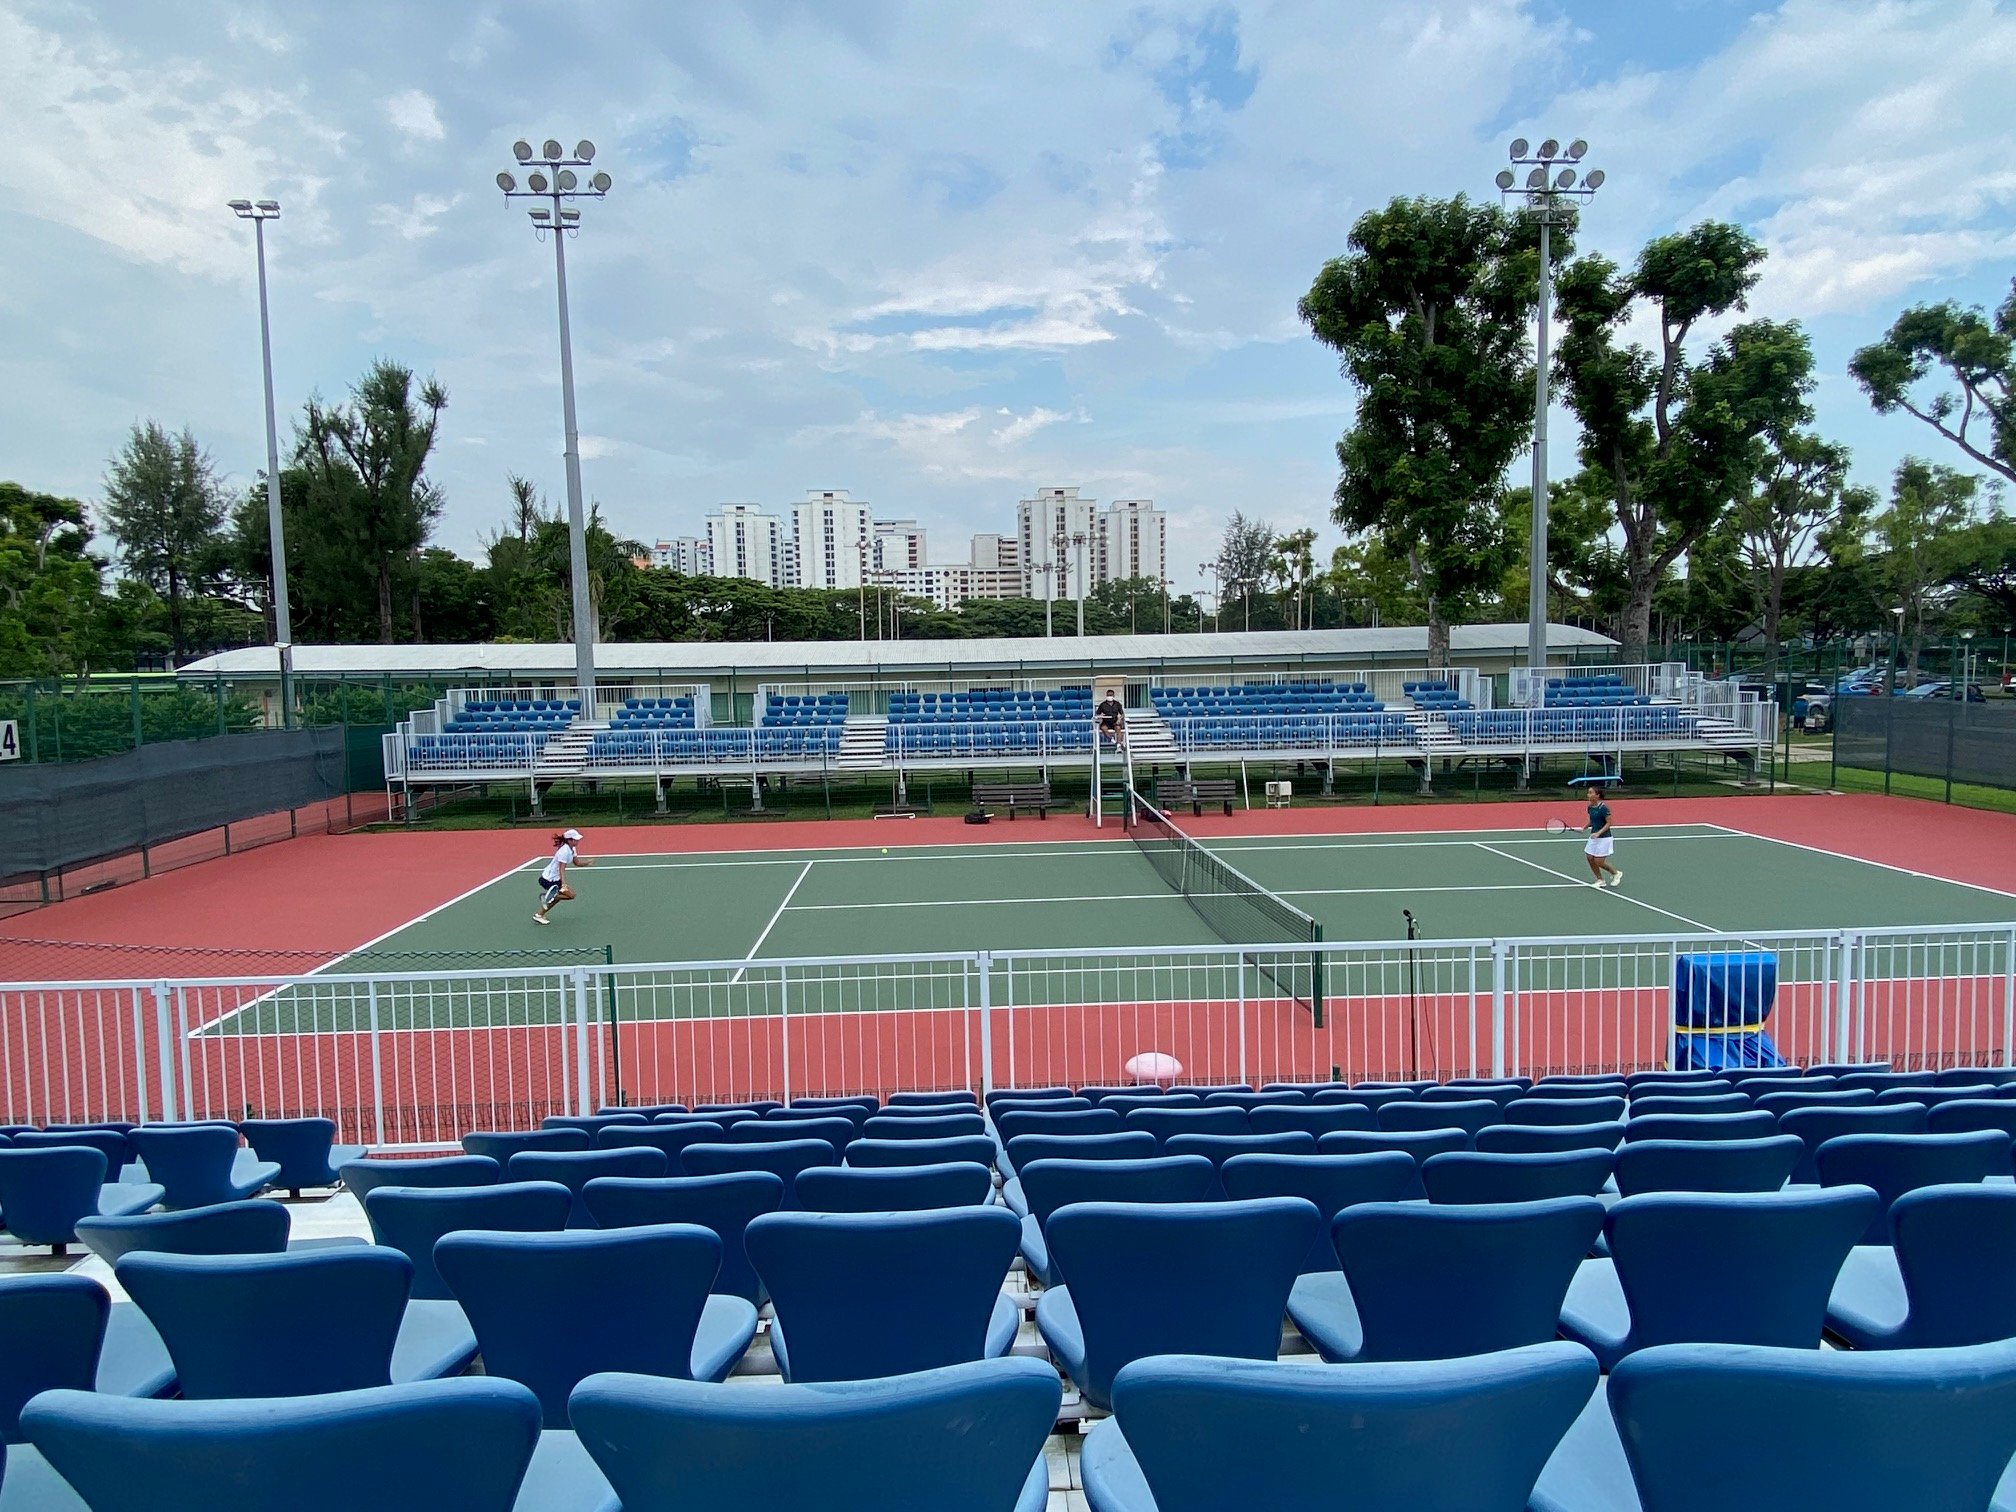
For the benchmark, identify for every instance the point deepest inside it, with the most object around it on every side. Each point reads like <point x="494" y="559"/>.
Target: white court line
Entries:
<point x="202" y="1029"/>
<point x="1279" y="892"/>
<point x="1821" y="850"/>
<point x="788" y="896"/>
<point x="1708" y="928"/>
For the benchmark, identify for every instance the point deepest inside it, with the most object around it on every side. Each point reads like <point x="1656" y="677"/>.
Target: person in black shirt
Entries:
<point x="1112" y="719"/>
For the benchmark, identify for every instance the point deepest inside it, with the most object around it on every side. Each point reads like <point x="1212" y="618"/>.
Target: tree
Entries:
<point x="1373" y="585"/>
<point x="1672" y="436"/>
<point x="164" y="507"/>
<point x="1801" y="494"/>
<point x="51" y="607"/>
<point x="1973" y="407"/>
<point x="1984" y="567"/>
<point x="1585" y="580"/>
<point x="366" y="469"/>
<point x="1929" y="507"/>
<point x="1242" y="560"/>
<point x="1429" y="312"/>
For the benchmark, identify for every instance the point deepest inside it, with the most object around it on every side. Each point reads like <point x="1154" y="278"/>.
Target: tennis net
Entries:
<point x="1236" y="908"/>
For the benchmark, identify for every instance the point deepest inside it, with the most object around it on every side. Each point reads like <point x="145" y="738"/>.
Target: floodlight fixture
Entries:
<point x="536" y="183"/>
<point x="1594" y="179"/>
<point x="570" y="216"/>
<point x="1537" y="179"/>
<point x="1519" y="145"/>
<point x="542" y="214"/>
<point x="506" y="182"/>
<point x="600" y="183"/>
<point x="585" y="151"/>
<point x="243" y="207"/>
<point x="1550" y="148"/>
<point x="271" y="207"/>
<point x="522" y="150"/>
<point x="1576" y="148"/>
<point x="565" y="179"/>
<point x="1565" y="179"/>
<point x="553" y="150"/>
<point x="1505" y="178"/>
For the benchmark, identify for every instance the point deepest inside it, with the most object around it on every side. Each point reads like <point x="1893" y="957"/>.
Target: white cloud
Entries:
<point x="421" y="217"/>
<point x="257" y="31"/>
<point x="413" y="113"/>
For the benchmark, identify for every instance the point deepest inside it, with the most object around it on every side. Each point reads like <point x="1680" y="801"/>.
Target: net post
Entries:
<point x="377" y="1063"/>
<point x="580" y="975"/>
<point x="984" y="961"/>
<point x="1501" y="966"/>
<point x="1317" y="976"/>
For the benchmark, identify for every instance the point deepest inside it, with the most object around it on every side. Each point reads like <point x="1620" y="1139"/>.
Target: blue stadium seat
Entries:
<point x="1467" y="1177"/>
<point x="1701" y="1126"/>
<point x="361" y="1177"/>
<point x="501" y="1145"/>
<point x="952" y="1099"/>
<point x="1725" y="1165"/>
<point x="591" y="1124"/>
<point x="1540" y="1107"/>
<point x="790" y="1119"/>
<point x="1779" y="1101"/>
<point x="894" y="1189"/>
<point x="833" y="1129"/>
<point x="1469" y="1115"/>
<point x="1313" y="1118"/>
<point x="1722" y="1102"/>
<point x="412" y="1219"/>
<point x="1969" y="1114"/>
<point x="1219" y="1148"/>
<point x="867" y="1101"/>
<point x="255" y="1226"/>
<point x="1429" y="1283"/>
<point x="1132" y="1144"/>
<point x="1778" y="1253"/>
<point x="1009" y="1125"/>
<point x="724" y="1204"/>
<point x="418" y="1448"/>
<point x="911" y="1126"/>
<point x="1331" y="1183"/>
<point x="1815" y="1126"/>
<point x="1421" y="1144"/>
<point x="863" y="1295"/>
<point x="1027" y="1094"/>
<point x="783" y="1159"/>
<point x="1535" y="1139"/>
<point x="1153" y="1279"/>
<point x="294" y="1324"/>
<point x="43" y="1193"/>
<point x="52" y="1329"/>
<point x="1894" y="1164"/>
<point x="111" y="1143"/>
<point x="1504" y="1094"/>
<point x="670" y="1138"/>
<point x="884" y="1153"/>
<point x="551" y="1309"/>
<point x="1050" y="1185"/>
<point x="1287" y="1436"/>
<point x="967" y="1436"/>
<point x="574" y="1169"/>
<point x="1944" y="1281"/>
<point x="200" y="1164"/>
<point x="305" y="1149"/>
<point x="1251" y="1101"/>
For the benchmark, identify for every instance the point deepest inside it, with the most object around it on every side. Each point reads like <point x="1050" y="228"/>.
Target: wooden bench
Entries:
<point x="1195" y="793"/>
<point x="1015" y="795"/>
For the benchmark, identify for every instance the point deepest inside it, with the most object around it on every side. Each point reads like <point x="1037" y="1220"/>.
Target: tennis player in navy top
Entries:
<point x="1602" y="842"/>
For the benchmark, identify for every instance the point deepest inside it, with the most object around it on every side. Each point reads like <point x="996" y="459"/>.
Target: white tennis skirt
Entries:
<point x="1599" y="847"/>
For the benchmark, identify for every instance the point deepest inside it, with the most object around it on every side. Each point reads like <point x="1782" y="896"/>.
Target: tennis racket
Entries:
<point x="1558" y="826"/>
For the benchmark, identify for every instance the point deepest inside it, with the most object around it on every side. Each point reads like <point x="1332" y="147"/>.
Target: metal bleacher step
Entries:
<point x="1148" y="738"/>
<point x="862" y="740"/>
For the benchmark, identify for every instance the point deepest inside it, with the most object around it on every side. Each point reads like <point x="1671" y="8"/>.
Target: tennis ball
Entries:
<point x="885" y="850"/>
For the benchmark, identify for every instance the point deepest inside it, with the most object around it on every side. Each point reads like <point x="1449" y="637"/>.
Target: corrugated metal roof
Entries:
<point x="554" y="660"/>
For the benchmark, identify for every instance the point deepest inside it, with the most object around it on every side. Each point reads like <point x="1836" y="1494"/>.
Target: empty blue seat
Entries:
<point x="1535" y="1108"/>
<point x="1779" y="1101"/>
<point x="1702" y="1126"/>
<point x="1815" y="1126"/>
<point x="783" y="1159"/>
<point x="305" y="1149"/>
<point x="252" y="1227"/>
<point x="1969" y="1114"/>
<point x="1646" y="1084"/>
<point x="574" y="1169"/>
<point x="1311" y="1118"/>
<point x="1219" y="1148"/>
<point x="198" y="1164"/>
<point x="51" y="1331"/>
<point x="835" y="1130"/>
<point x="1364" y="1096"/>
<point x="501" y="1145"/>
<point x="668" y="1137"/>
<point x="1849" y="1432"/>
<point x="1468" y="1177"/>
<point x="43" y="1193"/>
<point x="361" y="1177"/>
<point x="593" y="1123"/>
<point x="294" y="1324"/>
<point x="976" y="1148"/>
<point x="1725" y="1102"/>
<point x="1693" y="1165"/>
<point x="1504" y="1094"/>
<point x="967" y="1436"/>
<point x="1538" y="1139"/>
<point x="111" y="1143"/>
<point x="418" y="1448"/>
<point x="1944" y="1281"/>
<point x="1894" y="1164"/>
<point x="862" y="1295"/>
<point x="920" y="1126"/>
<point x="1024" y="1094"/>
<point x="724" y="1204"/>
<point x="1469" y="1115"/>
<point x="1287" y="1436"/>
<point x="1932" y="1097"/>
<point x="1049" y="1185"/>
<point x="412" y="1219"/>
<point x="1331" y="1183"/>
<point x="1150" y="1279"/>
<point x="1163" y="1121"/>
<point x="551" y="1309"/>
<point x="1011" y="1123"/>
<point x="894" y="1189"/>
<point x="1421" y="1144"/>
<point x="1779" y="1250"/>
<point x="1430" y="1283"/>
<point x="1880" y="1081"/>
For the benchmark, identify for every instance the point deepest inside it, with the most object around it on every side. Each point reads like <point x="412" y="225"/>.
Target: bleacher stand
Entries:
<point x="1435" y="697"/>
<point x="1277" y="714"/>
<point x="991" y="722"/>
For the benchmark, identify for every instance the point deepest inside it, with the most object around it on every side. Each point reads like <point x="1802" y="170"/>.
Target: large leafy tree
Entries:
<point x="1673" y="434"/>
<point x="164" y="507"/>
<point x="1917" y="538"/>
<point x="52" y="612"/>
<point x="1800" y="496"/>
<point x="1984" y="567"/>
<point x="365" y="465"/>
<point x="1428" y="313"/>
<point x="1951" y="368"/>
<point x="1243" y="554"/>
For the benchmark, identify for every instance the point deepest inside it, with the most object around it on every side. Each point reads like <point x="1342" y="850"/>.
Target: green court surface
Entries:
<point x="758" y="907"/>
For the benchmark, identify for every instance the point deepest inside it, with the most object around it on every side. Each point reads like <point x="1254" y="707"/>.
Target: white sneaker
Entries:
<point x="539" y="918"/>
<point x="1597" y="883"/>
<point x="1616" y="879"/>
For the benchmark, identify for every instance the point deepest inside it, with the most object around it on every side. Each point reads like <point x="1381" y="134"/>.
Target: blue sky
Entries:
<point x="936" y="254"/>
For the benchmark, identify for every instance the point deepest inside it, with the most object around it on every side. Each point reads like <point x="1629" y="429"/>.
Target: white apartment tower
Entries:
<point x="1059" y="540"/>
<point x="831" y="531"/>
<point x="899" y="546"/>
<point x="744" y="541"/>
<point x="692" y="555"/>
<point x="1135" y="541"/>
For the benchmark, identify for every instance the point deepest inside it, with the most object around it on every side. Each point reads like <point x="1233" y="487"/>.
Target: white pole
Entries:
<point x="577" y="524"/>
<point x="1536" y="592"/>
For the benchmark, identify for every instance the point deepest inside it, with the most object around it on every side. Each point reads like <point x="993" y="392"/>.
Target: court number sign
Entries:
<point x="10" y="741"/>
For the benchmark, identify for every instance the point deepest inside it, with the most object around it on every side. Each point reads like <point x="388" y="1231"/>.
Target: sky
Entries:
<point x="938" y="255"/>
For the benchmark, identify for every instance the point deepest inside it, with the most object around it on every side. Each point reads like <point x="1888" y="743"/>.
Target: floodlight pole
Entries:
<point x="1546" y="192"/>
<point x="554" y="181"/>
<point x="259" y="212"/>
<point x="1078" y="539"/>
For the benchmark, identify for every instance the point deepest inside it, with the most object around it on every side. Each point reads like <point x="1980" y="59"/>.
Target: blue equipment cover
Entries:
<point x="1721" y="1001"/>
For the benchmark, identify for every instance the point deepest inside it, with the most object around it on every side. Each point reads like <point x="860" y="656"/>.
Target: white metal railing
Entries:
<point x="987" y="740"/>
<point x="1651" y="679"/>
<point x="417" y="1058"/>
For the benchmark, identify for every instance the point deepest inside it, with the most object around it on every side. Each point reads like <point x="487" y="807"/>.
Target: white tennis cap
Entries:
<point x="570" y="834"/>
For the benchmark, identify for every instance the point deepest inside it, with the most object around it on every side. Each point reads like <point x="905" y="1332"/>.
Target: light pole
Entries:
<point x="259" y="212"/>
<point x="1548" y="188"/>
<point x="1210" y="570"/>
<point x="551" y="177"/>
<point x="861" y="586"/>
<point x="1966" y="665"/>
<point x="1078" y="559"/>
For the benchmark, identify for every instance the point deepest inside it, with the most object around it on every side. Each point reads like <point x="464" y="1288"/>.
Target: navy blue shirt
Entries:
<point x="1599" y="819"/>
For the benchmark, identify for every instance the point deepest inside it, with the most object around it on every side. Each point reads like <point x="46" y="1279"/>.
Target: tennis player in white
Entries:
<point x="1601" y="842"/>
<point x="553" y="886"/>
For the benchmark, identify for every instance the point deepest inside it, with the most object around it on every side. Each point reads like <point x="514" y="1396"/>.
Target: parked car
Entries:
<point x="1864" y="681"/>
<point x="1940" y="689"/>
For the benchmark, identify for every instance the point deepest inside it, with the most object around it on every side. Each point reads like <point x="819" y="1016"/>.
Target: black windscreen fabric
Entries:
<point x="1925" y="737"/>
<point x="54" y="816"/>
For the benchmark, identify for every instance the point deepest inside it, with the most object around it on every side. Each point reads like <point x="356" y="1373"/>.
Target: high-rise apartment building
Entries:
<point x="745" y="541"/>
<point x="1058" y="536"/>
<point x="692" y="555"/>
<point x="1134" y="542"/>
<point x="831" y="531"/>
<point x="899" y="545"/>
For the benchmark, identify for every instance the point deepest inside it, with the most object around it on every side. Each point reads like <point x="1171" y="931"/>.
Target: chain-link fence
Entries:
<point x="1953" y="742"/>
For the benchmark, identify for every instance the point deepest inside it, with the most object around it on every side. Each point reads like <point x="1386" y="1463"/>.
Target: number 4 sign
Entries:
<point x="10" y="741"/>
